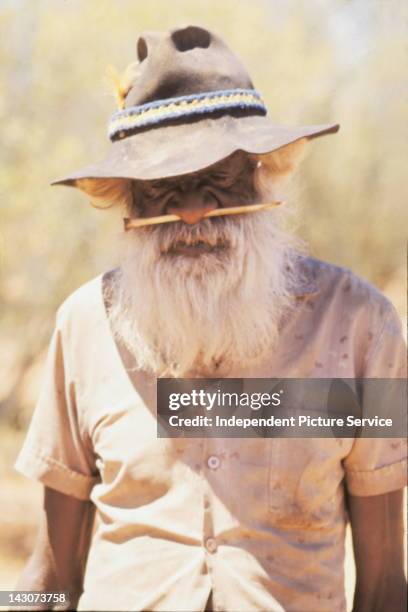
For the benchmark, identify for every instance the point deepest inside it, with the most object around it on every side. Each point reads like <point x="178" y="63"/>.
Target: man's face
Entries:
<point x="202" y="295"/>
<point x="227" y="183"/>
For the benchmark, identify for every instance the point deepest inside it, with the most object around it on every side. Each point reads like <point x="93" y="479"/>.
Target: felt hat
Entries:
<point x="188" y="103"/>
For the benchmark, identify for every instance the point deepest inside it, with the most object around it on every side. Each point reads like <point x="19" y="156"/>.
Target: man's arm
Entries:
<point x="378" y="541"/>
<point x="59" y="557"/>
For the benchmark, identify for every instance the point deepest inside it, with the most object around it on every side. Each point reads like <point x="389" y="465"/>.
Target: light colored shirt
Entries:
<point x="261" y="523"/>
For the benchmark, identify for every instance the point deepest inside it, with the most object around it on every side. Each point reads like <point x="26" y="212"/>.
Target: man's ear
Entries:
<point x="105" y="193"/>
<point x="278" y="165"/>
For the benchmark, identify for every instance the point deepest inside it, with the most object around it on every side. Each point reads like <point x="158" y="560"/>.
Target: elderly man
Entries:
<point x="194" y="524"/>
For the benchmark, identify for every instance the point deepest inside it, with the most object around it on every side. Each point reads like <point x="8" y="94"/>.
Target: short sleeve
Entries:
<point x="379" y="465"/>
<point x="56" y="450"/>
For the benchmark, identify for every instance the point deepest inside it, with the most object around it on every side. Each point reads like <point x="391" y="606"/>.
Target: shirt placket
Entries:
<point x="212" y="464"/>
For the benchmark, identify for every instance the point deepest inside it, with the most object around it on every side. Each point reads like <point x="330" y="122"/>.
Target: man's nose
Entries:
<point x="192" y="207"/>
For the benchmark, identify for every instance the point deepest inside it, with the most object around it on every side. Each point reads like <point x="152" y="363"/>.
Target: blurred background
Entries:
<point x="314" y="61"/>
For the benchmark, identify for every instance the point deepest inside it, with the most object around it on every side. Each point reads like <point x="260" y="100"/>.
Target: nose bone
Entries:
<point x="191" y="209"/>
<point x="192" y="216"/>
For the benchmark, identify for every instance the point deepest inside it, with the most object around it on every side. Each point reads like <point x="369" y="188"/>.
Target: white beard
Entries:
<point x="183" y="316"/>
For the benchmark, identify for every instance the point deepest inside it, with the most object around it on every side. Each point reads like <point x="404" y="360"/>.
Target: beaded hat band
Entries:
<point x="126" y="121"/>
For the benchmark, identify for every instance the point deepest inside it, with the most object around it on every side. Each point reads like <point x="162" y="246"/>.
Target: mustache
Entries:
<point x="214" y="231"/>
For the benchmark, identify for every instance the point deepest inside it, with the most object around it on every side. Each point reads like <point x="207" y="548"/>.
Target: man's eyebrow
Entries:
<point x="157" y="182"/>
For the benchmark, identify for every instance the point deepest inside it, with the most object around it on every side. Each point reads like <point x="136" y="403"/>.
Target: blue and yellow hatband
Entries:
<point x="159" y="111"/>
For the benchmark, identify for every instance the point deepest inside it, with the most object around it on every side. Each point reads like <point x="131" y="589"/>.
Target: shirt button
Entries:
<point x="211" y="545"/>
<point x="213" y="462"/>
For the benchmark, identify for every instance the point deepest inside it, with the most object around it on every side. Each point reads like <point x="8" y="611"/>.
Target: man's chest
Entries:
<point x="251" y="481"/>
<point x="285" y="481"/>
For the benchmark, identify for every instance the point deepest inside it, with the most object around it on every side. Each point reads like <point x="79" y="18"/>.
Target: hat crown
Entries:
<point x="184" y="61"/>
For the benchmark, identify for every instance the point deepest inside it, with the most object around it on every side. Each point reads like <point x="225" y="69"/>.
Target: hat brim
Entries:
<point x="174" y="150"/>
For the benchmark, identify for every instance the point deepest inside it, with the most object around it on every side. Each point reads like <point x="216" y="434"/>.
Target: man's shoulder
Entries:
<point x="85" y="303"/>
<point x="332" y="281"/>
